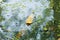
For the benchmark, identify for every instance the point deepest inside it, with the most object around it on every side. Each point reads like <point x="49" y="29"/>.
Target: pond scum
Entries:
<point x="29" y="19"/>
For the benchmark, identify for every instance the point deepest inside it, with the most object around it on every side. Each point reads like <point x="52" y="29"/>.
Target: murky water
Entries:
<point x="15" y="13"/>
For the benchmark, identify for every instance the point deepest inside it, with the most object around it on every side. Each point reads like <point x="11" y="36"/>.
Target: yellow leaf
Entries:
<point x="29" y="20"/>
<point x="58" y="38"/>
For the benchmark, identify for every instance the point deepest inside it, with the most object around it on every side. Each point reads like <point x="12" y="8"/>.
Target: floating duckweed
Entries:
<point x="30" y="0"/>
<point x="1" y="18"/>
<point x="51" y="3"/>
<point x="0" y="11"/>
<point x="47" y="12"/>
